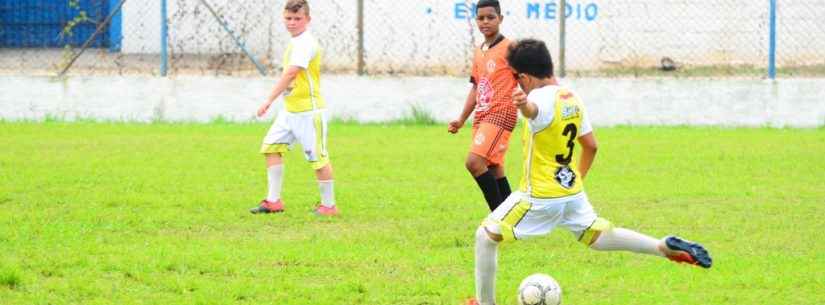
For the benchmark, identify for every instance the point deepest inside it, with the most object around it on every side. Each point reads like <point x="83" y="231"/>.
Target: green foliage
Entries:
<point x="220" y="119"/>
<point x="10" y="279"/>
<point x="68" y="30"/>
<point x="418" y="115"/>
<point x="71" y="24"/>
<point x="77" y="20"/>
<point x="96" y="213"/>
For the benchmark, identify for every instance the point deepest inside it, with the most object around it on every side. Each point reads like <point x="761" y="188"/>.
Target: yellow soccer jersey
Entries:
<point x="549" y="140"/>
<point x="304" y="94"/>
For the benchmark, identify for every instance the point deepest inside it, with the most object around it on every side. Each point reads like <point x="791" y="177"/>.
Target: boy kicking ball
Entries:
<point x="552" y="187"/>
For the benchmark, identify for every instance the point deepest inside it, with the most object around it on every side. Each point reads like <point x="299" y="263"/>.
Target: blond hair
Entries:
<point x="293" y="6"/>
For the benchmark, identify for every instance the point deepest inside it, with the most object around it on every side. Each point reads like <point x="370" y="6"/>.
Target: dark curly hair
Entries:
<point x="531" y="56"/>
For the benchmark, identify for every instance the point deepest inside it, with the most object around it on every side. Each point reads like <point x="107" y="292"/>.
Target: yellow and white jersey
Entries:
<point x="549" y="140"/>
<point x="304" y="94"/>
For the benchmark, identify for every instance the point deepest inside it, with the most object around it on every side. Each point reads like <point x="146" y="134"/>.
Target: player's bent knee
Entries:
<point x="475" y="166"/>
<point x="475" y="163"/>
<point x="273" y="159"/>
<point x="273" y="156"/>
<point x="483" y="233"/>
<point x="599" y="226"/>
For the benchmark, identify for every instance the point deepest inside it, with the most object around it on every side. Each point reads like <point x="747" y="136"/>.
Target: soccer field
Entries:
<point x="97" y="213"/>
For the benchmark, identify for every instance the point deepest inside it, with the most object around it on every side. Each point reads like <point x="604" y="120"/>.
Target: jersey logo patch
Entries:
<point x="484" y="95"/>
<point x="565" y="177"/>
<point x="569" y="112"/>
<point x="491" y="66"/>
<point x="479" y="139"/>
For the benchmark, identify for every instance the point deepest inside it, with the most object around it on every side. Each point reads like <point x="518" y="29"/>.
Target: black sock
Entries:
<point x="489" y="186"/>
<point x="503" y="188"/>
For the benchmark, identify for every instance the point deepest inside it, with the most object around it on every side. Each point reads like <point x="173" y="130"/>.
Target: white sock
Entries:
<point x="486" y="261"/>
<point x="275" y="176"/>
<point x="327" y="193"/>
<point x="619" y="239"/>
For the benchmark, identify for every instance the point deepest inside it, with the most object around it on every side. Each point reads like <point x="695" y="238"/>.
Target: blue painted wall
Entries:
<point x="40" y="23"/>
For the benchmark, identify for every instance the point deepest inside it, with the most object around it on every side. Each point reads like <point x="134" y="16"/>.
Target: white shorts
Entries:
<point x="307" y="128"/>
<point x="520" y="217"/>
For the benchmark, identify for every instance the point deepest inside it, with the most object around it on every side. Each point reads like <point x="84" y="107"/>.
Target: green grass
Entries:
<point x="416" y="115"/>
<point x="98" y="213"/>
<point x="9" y="279"/>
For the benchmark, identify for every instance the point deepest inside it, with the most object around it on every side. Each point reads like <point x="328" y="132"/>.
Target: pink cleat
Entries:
<point x="322" y="210"/>
<point x="472" y="301"/>
<point x="267" y="207"/>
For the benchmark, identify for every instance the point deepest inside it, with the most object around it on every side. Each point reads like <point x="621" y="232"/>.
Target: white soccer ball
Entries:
<point x="539" y="289"/>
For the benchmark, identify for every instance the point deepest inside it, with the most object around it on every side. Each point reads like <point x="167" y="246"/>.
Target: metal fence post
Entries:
<point x="360" y="25"/>
<point x="772" y="42"/>
<point x="164" y="39"/>
<point x="115" y="28"/>
<point x="240" y="44"/>
<point x="562" y="37"/>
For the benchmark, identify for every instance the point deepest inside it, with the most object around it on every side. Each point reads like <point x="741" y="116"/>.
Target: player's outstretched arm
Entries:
<point x="589" y="148"/>
<point x="469" y="105"/>
<point x="528" y="109"/>
<point x="286" y="78"/>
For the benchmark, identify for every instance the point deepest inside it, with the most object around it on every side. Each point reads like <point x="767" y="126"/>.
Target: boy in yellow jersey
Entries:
<point x="490" y="99"/>
<point x="304" y="119"/>
<point x="552" y="193"/>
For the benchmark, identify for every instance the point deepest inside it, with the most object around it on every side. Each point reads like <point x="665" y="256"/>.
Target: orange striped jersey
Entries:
<point x="494" y="86"/>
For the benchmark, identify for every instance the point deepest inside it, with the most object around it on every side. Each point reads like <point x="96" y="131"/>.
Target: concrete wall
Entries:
<point x="407" y="36"/>
<point x="787" y="102"/>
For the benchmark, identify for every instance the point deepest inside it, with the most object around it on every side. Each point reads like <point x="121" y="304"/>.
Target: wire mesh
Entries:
<point x="691" y="38"/>
<point x="801" y="38"/>
<point x="200" y="44"/>
<point x="427" y="37"/>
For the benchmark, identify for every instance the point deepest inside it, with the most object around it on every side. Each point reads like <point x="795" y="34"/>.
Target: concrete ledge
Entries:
<point x="720" y="102"/>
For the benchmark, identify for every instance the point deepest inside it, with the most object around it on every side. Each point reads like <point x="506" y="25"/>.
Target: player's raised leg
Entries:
<point x="602" y="236"/>
<point x="684" y="251"/>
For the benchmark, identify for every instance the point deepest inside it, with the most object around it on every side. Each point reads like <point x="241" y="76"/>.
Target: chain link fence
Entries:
<point x="427" y="37"/>
<point x="801" y="38"/>
<point x="714" y="37"/>
<point x="198" y="43"/>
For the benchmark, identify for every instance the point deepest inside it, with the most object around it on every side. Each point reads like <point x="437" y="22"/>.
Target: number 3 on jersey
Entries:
<point x="569" y="131"/>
